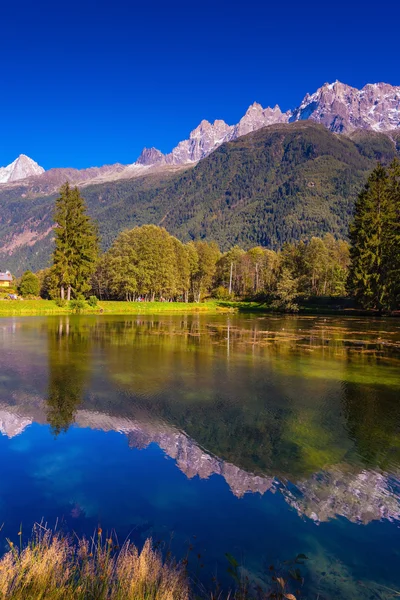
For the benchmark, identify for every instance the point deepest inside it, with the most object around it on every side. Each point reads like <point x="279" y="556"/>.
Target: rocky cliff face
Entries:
<point x="343" y="109"/>
<point x="340" y="107"/>
<point x="151" y="156"/>
<point x="202" y="141"/>
<point x="208" y="136"/>
<point x="257" y="117"/>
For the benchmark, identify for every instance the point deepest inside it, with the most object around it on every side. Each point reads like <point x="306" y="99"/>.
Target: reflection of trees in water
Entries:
<point x="240" y="409"/>
<point x="69" y="366"/>
<point x="275" y="407"/>
<point x="373" y="422"/>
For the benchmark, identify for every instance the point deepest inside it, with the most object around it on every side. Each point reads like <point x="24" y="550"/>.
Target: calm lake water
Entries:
<point x="259" y="436"/>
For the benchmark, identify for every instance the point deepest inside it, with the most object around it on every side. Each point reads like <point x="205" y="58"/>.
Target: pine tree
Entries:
<point x="76" y="243"/>
<point x="368" y="277"/>
<point x="392" y="235"/>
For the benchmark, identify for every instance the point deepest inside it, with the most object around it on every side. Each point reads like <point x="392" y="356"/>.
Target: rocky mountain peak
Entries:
<point x="202" y="141"/>
<point x="339" y="107"/>
<point x="213" y="130"/>
<point x="207" y="136"/>
<point x="257" y="117"/>
<point x="151" y="156"/>
<point x="342" y="108"/>
<point x="21" y="168"/>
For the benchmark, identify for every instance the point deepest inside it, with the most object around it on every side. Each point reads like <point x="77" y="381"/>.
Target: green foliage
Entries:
<point x="61" y="302"/>
<point x="279" y="184"/>
<point x="287" y="290"/>
<point x="312" y="269"/>
<point x="76" y="243"/>
<point x="142" y="262"/>
<point x="392" y="235"/>
<point x="375" y="241"/>
<point x="49" y="288"/>
<point x="93" y="301"/>
<point x="77" y="305"/>
<point x="29" y="284"/>
<point x="67" y="374"/>
<point x="376" y="146"/>
<point x="148" y="263"/>
<point x="222" y="293"/>
<point x="204" y="271"/>
<point x="62" y="307"/>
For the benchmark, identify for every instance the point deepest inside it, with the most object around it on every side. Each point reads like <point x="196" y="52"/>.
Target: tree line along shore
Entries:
<point x="149" y="266"/>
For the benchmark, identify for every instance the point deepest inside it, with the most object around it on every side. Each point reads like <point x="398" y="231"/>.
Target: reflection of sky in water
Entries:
<point x="89" y="477"/>
<point x="316" y="422"/>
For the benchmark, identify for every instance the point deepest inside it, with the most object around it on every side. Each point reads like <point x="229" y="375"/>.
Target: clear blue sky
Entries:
<point x="89" y="83"/>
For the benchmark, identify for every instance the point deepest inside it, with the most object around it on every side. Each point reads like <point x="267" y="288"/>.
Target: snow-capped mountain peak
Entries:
<point x="21" y="168"/>
<point x="342" y="108"/>
<point x="339" y="107"/>
<point x="207" y="136"/>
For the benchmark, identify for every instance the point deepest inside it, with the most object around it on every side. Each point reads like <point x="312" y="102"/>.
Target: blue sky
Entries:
<point x="90" y="83"/>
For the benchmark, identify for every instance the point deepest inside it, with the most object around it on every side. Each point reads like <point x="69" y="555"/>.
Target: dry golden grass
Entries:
<point x="54" y="567"/>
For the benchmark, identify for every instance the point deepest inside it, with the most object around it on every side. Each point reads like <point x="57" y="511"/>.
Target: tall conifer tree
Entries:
<point x="76" y="243"/>
<point x="392" y="248"/>
<point x="375" y="241"/>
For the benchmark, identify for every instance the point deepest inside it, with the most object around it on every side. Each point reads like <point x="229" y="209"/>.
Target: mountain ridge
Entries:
<point x="322" y="496"/>
<point x="338" y="106"/>
<point x="282" y="183"/>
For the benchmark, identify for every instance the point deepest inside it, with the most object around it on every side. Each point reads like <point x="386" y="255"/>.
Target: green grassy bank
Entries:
<point x="9" y="308"/>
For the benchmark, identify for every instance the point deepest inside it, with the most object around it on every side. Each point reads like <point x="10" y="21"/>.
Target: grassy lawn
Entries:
<point x="49" y="307"/>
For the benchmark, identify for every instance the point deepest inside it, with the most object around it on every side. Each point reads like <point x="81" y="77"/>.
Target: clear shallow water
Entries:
<point x="259" y="436"/>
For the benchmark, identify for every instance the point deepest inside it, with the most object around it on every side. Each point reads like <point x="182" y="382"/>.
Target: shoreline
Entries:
<point x="33" y="308"/>
<point x="26" y="308"/>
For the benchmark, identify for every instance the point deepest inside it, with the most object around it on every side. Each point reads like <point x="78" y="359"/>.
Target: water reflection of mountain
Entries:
<point x="258" y="401"/>
<point x="358" y="496"/>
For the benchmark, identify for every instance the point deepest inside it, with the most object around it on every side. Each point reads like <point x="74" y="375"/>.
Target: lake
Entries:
<point x="263" y="437"/>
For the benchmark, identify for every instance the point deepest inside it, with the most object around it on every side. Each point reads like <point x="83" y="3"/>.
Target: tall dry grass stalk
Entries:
<point x="55" y="567"/>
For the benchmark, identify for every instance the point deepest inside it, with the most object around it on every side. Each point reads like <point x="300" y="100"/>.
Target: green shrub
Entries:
<point x="77" y="305"/>
<point x="92" y="301"/>
<point x="221" y="293"/>
<point x="29" y="284"/>
<point x="60" y="302"/>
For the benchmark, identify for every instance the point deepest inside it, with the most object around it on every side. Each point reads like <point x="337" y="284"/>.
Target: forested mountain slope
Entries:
<point x="280" y="183"/>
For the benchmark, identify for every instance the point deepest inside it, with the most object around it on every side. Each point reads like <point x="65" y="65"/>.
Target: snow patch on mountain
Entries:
<point x="209" y="136"/>
<point x="21" y="168"/>
<point x="339" y="107"/>
<point x="342" y="108"/>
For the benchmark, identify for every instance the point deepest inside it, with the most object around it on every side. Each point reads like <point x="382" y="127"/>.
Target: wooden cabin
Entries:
<point x="5" y="279"/>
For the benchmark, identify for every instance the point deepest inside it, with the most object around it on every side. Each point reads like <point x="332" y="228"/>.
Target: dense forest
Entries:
<point x="278" y="185"/>
<point x="148" y="263"/>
